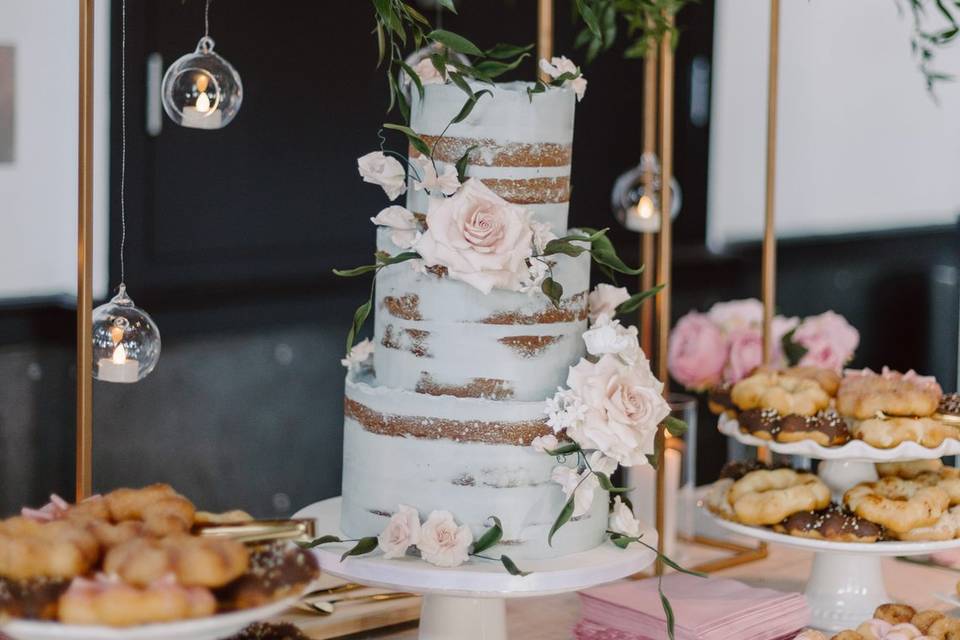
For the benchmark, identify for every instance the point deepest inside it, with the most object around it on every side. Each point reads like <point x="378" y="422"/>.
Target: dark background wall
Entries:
<point x="233" y="235"/>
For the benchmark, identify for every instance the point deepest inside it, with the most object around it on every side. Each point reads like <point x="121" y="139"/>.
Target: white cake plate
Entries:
<point x="846" y="583"/>
<point x="846" y="465"/>
<point x="469" y="602"/>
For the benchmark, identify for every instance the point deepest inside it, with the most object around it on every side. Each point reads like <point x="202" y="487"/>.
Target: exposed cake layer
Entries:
<point x="441" y="336"/>
<point x="523" y="147"/>
<point x="463" y="455"/>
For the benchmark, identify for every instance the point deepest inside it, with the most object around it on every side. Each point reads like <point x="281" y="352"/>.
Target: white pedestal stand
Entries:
<point x="469" y="602"/>
<point x="846" y="582"/>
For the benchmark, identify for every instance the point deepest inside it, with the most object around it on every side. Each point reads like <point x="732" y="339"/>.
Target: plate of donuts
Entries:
<point x="143" y="564"/>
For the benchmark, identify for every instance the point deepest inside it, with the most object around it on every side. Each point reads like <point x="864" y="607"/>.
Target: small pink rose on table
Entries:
<point x="402" y="532"/>
<point x="829" y="340"/>
<point x="442" y="542"/>
<point x="697" y="352"/>
<point x="380" y="169"/>
<point x="479" y="237"/>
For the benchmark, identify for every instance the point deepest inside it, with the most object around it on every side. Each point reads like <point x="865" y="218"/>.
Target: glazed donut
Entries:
<point x="923" y="619"/>
<point x="782" y="393"/>
<point x="161" y="509"/>
<point x="767" y="497"/>
<point x="195" y="561"/>
<point x="107" y="601"/>
<point x="908" y="470"/>
<point x="760" y="423"/>
<point x="888" y="432"/>
<point x="946" y="528"/>
<point x="864" y="394"/>
<point x="826" y="429"/>
<point x="277" y="570"/>
<point x="56" y="549"/>
<point x="899" y="505"/>
<point x="833" y="523"/>
<point x="945" y="628"/>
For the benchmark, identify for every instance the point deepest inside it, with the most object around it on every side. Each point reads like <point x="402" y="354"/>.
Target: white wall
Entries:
<point x="861" y="144"/>
<point x="38" y="192"/>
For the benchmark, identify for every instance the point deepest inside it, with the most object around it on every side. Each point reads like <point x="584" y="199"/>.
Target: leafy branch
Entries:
<point x="647" y="23"/>
<point x="924" y="42"/>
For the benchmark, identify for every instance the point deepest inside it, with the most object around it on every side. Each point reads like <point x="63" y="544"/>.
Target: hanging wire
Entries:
<point x="123" y="142"/>
<point x="206" y="20"/>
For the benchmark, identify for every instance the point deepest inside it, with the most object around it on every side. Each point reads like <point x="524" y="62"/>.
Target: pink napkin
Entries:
<point x="704" y="609"/>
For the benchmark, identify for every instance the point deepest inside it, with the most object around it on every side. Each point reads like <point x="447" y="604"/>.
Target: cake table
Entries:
<point x="846" y="583"/>
<point x="469" y="602"/>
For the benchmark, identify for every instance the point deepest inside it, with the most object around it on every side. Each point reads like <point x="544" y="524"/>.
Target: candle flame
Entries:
<point x="645" y="207"/>
<point x="203" y="103"/>
<point x="202" y="82"/>
<point x="119" y="355"/>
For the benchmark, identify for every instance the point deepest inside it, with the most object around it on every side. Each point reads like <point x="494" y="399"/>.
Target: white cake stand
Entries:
<point x="846" y="583"/>
<point x="469" y="602"/>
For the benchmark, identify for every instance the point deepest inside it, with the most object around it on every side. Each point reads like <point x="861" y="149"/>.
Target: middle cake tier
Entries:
<point x="439" y="336"/>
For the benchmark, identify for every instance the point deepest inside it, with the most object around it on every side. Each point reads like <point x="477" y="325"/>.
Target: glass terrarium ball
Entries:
<point x="126" y="341"/>
<point x="636" y="196"/>
<point x="201" y="90"/>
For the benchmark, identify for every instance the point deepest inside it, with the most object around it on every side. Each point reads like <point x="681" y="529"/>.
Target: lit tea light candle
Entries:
<point x="119" y="368"/>
<point x="644" y="217"/>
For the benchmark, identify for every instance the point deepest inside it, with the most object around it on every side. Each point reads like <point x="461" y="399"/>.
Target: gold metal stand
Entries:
<point x="84" y="464"/>
<point x="544" y="33"/>
<point x="647" y="238"/>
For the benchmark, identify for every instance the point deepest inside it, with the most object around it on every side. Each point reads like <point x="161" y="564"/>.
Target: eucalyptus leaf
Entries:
<point x="667" y="609"/>
<point x="490" y="537"/>
<point x="356" y="271"/>
<point x="359" y="317"/>
<point x="412" y="136"/>
<point x="463" y="162"/>
<point x="397" y="259"/>
<point x="538" y="87"/>
<point x="603" y="253"/>
<point x="670" y="563"/>
<point x="469" y="105"/>
<point x="364" y="545"/>
<point x="562" y="518"/>
<point x="416" y="15"/>
<point x="502" y="51"/>
<point x="495" y="68"/>
<point x="633" y="303"/>
<point x="316" y="542"/>
<point x="564" y="449"/>
<point x="381" y="43"/>
<point x="448" y="5"/>
<point x="675" y="426"/>
<point x="563" y="246"/>
<point x="414" y="77"/>
<point x="462" y="84"/>
<point x="455" y="42"/>
<point x="512" y="567"/>
<point x="553" y="290"/>
<point x="589" y="18"/>
<point x="607" y="485"/>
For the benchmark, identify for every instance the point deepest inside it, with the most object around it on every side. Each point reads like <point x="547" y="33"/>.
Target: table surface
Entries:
<point x="552" y="617"/>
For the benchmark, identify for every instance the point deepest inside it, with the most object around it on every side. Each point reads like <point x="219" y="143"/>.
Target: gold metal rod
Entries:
<point x="769" y="259"/>
<point x="544" y="33"/>
<point x="769" y="280"/>
<point x="647" y="244"/>
<point x="665" y="255"/>
<point x="84" y="464"/>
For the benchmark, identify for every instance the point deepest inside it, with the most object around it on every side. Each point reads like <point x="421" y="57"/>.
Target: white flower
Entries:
<point x="542" y="234"/>
<point x="624" y="408"/>
<point x="559" y="66"/>
<point x="601" y="463"/>
<point x="479" y="237"/>
<point x="542" y="444"/>
<point x="538" y="270"/>
<point x="402" y="532"/>
<point x="565" y="410"/>
<point x="581" y="486"/>
<point x="447" y="184"/>
<point x="428" y="73"/>
<point x="442" y="542"/>
<point x="403" y="224"/>
<point x="378" y="168"/>
<point x="622" y="520"/>
<point x="359" y="354"/>
<point x="604" y="299"/>
<point x="609" y="336"/>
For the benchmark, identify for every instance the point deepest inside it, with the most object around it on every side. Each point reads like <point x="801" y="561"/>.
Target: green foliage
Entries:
<point x="647" y="23"/>
<point x="924" y="42"/>
<point x="553" y="290"/>
<point x="316" y="542"/>
<point x="675" y="426"/>
<point x="562" y="518"/>
<point x="512" y="568"/>
<point x="490" y="537"/>
<point x="794" y="351"/>
<point x="363" y="546"/>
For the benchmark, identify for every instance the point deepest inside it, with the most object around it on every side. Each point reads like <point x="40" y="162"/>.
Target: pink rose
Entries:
<point x="402" y="532"/>
<point x="737" y="314"/>
<point x="479" y="237"/>
<point x="556" y="67"/>
<point x="829" y="339"/>
<point x="604" y="299"/>
<point x="746" y="354"/>
<point x="697" y="352"/>
<point x="442" y="542"/>
<point x="378" y="168"/>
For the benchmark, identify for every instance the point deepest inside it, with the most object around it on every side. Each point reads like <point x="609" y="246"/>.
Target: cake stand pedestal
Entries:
<point x="469" y="602"/>
<point x="846" y="582"/>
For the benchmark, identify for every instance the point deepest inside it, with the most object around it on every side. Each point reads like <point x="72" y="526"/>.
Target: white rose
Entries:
<point x="609" y="336"/>
<point x="442" y="542"/>
<point x="624" y="409"/>
<point x="479" y="237"/>
<point x="428" y="73"/>
<point x="402" y="532"/>
<point x="623" y="521"/>
<point x="542" y="444"/>
<point x="359" y="353"/>
<point x="596" y="461"/>
<point x="581" y="486"/>
<point x="403" y="225"/>
<point x="381" y="169"/>
<point x="605" y="299"/>
<point x="427" y="177"/>
<point x="556" y="67"/>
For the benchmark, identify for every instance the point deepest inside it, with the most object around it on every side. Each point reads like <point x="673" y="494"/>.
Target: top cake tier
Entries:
<point x="523" y="146"/>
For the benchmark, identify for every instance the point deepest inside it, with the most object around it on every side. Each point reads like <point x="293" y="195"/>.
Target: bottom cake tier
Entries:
<point x="468" y="456"/>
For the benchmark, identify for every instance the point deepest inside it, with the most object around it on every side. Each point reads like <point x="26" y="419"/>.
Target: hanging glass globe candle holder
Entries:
<point x="636" y="196"/>
<point x="201" y="90"/>
<point x="126" y="341"/>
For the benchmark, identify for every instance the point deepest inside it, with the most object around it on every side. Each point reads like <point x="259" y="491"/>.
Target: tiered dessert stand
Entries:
<point x="469" y="602"/>
<point x="846" y="583"/>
